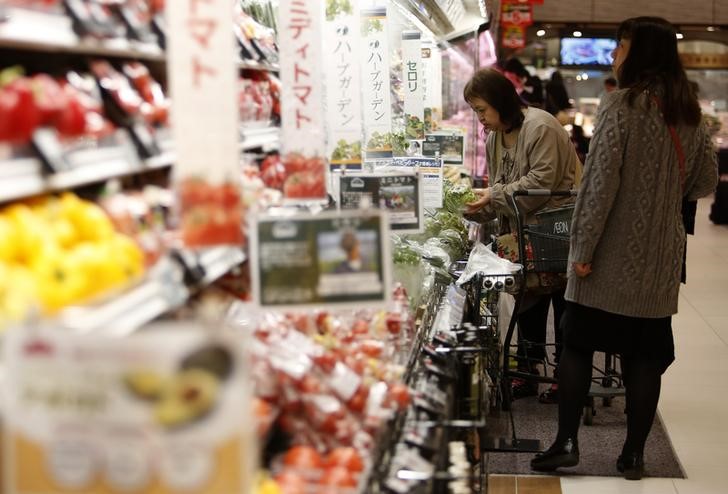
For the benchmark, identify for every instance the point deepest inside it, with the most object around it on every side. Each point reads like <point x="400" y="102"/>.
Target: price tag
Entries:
<point x="400" y="195"/>
<point x="327" y="259"/>
<point x="155" y="412"/>
<point x="45" y="142"/>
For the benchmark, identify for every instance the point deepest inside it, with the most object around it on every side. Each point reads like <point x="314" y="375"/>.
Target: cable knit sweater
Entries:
<point x="627" y="220"/>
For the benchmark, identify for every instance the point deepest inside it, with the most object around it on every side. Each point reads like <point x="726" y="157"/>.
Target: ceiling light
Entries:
<point x="541" y="32"/>
<point x="577" y="34"/>
<point x="679" y="36"/>
<point x="585" y="76"/>
<point x="578" y="77"/>
<point x="711" y="28"/>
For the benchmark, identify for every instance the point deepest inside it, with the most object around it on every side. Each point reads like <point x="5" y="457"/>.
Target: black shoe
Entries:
<point x="559" y="455"/>
<point x="632" y="465"/>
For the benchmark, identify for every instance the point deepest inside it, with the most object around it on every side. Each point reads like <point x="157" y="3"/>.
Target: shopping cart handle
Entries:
<point x="543" y="192"/>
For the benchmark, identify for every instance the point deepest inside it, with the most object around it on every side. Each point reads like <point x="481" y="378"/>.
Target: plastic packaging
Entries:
<point x="483" y="260"/>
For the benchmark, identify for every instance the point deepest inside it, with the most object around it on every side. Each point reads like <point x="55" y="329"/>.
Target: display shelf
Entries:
<point x="267" y="138"/>
<point x="252" y="65"/>
<point x="48" y="33"/>
<point x="25" y="177"/>
<point x="164" y="288"/>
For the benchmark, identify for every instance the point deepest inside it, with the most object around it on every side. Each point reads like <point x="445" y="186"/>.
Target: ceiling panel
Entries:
<point x="677" y="11"/>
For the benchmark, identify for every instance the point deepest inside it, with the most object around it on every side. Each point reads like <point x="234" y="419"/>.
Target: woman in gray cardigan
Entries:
<point x="649" y="151"/>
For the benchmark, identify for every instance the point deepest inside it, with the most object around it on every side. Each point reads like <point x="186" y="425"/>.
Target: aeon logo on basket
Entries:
<point x="561" y="228"/>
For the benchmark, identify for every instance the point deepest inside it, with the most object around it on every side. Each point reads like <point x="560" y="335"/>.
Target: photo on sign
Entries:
<point x="398" y="198"/>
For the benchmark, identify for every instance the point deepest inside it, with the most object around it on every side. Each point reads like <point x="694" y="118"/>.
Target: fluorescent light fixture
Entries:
<point x="541" y="32"/>
<point x="679" y="36"/>
<point x="577" y="34"/>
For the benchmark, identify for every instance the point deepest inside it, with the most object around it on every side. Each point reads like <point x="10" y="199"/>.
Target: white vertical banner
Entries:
<point x="414" y="92"/>
<point x="303" y="137"/>
<point x="203" y="81"/>
<point x="342" y="55"/>
<point x="432" y="81"/>
<point x="376" y="82"/>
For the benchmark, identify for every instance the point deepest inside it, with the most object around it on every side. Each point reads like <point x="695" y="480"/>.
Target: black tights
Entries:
<point x="532" y="327"/>
<point x="642" y="380"/>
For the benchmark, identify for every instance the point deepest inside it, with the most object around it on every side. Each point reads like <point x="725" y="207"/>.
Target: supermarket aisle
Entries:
<point x="694" y="401"/>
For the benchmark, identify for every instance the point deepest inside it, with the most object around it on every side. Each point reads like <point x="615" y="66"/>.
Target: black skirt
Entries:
<point x="587" y="328"/>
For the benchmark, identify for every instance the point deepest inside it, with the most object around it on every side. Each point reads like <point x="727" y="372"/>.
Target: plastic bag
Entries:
<point x="483" y="260"/>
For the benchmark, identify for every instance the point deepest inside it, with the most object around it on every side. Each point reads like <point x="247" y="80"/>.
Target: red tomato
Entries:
<point x="338" y="477"/>
<point x="50" y="98"/>
<point x="345" y="457"/>
<point x="372" y="348"/>
<point x="71" y="122"/>
<point x="309" y="385"/>
<point x="358" y="402"/>
<point x="19" y="111"/>
<point x="290" y="482"/>
<point x="294" y="163"/>
<point x="303" y="457"/>
<point x="326" y="361"/>
<point x="399" y="395"/>
<point x="394" y="323"/>
<point x="274" y="175"/>
<point x="302" y="185"/>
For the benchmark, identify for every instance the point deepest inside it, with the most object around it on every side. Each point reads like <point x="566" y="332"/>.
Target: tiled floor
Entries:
<point x="694" y="401"/>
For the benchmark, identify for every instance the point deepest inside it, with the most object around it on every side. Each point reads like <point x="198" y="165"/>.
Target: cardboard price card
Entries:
<point x="156" y="413"/>
<point x="328" y="259"/>
<point x="398" y="194"/>
<point x="451" y="148"/>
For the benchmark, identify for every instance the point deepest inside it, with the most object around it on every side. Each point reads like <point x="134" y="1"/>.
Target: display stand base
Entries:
<point x="509" y="445"/>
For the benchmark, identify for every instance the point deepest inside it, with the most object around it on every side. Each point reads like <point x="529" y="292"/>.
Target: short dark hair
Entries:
<point x="653" y="64"/>
<point x="610" y="81"/>
<point x="495" y="89"/>
<point x="516" y="66"/>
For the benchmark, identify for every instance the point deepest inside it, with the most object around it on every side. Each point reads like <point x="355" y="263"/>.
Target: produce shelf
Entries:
<point x="37" y="31"/>
<point x="163" y="289"/>
<point x="251" y="65"/>
<point x="267" y="138"/>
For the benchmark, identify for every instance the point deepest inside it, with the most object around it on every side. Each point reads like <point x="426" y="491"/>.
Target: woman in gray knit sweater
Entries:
<point x="649" y="151"/>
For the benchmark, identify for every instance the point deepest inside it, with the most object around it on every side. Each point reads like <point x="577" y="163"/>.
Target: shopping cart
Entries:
<point x="544" y="248"/>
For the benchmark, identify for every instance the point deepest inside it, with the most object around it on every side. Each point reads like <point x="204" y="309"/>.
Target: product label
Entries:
<point x="157" y="412"/>
<point x="327" y="259"/>
<point x="400" y="194"/>
<point x="451" y="148"/>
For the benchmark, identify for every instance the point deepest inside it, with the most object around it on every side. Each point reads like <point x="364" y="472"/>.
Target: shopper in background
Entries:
<point x="648" y="152"/>
<point x="526" y="149"/>
<point x="581" y="142"/>
<point x="557" y="98"/>
<point x="529" y="87"/>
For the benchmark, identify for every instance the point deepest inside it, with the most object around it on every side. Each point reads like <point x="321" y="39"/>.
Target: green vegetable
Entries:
<point x="457" y="196"/>
<point x="346" y="151"/>
<point x="336" y="7"/>
<point x="371" y="26"/>
<point x="404" y="254"/>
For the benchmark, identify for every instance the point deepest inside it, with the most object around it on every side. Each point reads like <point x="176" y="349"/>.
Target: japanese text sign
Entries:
<point x="342" y="53"/>
<point x="516" y="14"/>
<point x="413" y="85"/>
<point x="514" y="36"/>
<point x="203" y="80"/>
<point x="376" y="81"/>
<point x="300" y="25"/>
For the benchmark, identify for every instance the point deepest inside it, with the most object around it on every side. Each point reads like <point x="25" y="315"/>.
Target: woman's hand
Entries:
<point x="582" y="269"/>
<point x="480" y="203"/>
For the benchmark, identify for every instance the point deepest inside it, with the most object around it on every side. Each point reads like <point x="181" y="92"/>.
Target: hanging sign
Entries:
<point x="514" y="36"/>
<point x="516" y="14"/>
<point x="432" y="82"/>
<point x="203" y="81"/>
<point x="375" y="77"/>
<point x="400" y="194"/>
<point x="330" y="259"/>
<point x="450" y="147"/>
<point x="150" y="413"/>
<point x="342" y="54"/>
<point x="303" y="138"/>
<point x="413" y="85"/>
<point x="531" y="2"/>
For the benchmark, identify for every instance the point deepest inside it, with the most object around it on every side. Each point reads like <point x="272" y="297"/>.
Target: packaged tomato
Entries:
<point x="305" y="177"/>
<point x="210" y="214"/>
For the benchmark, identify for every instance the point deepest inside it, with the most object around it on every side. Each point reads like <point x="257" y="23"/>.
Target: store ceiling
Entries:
<point x="705" y="12"/>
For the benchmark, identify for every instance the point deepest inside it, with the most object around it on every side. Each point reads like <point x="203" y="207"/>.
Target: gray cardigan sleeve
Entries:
<point x="704" y="165"/>
<point x="599" y="185"/>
